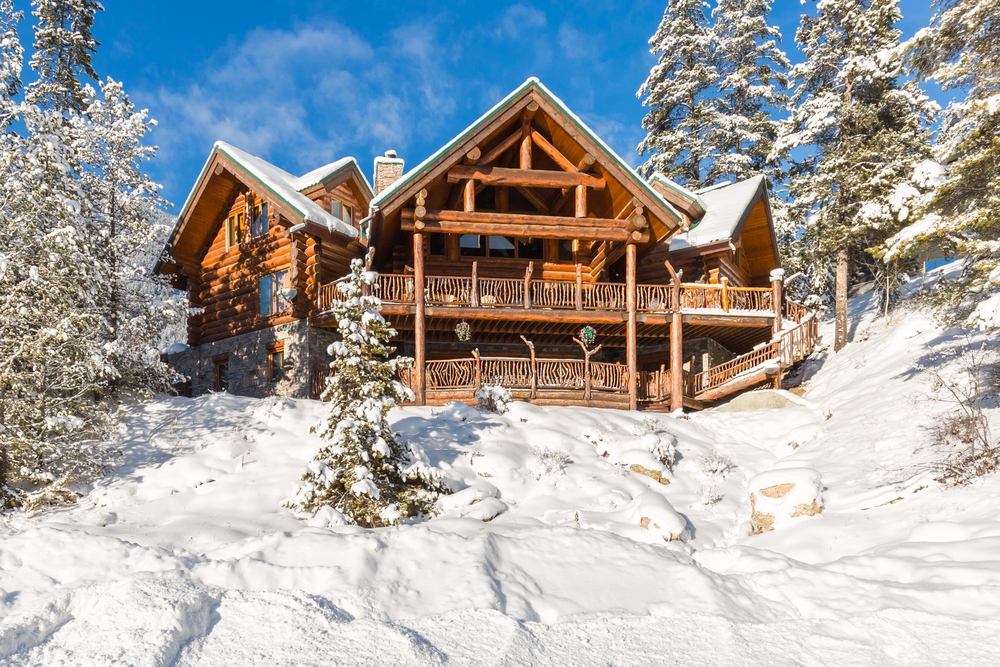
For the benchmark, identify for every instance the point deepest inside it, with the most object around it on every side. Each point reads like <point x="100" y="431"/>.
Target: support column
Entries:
<point x="630" y="296"/>
<point x="777" y="282"/>
<point x="419" y="328"/>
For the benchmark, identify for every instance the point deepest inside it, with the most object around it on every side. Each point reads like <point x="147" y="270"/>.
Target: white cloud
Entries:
<point x="301" y="97"/>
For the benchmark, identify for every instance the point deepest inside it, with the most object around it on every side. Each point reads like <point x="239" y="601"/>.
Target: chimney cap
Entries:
<point x="390" y="153"/>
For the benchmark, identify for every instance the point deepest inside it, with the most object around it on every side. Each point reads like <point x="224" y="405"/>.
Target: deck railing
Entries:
<point x="565" y="294"/>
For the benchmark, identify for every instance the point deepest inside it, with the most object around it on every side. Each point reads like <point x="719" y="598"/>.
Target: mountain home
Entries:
<point x="524" y="252"/>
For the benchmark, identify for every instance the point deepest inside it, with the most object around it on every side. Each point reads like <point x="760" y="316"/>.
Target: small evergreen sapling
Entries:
<point x="363" y="472"/>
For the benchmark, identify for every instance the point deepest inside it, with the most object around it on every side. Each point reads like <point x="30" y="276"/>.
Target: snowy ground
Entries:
<point x="183" y="556"/>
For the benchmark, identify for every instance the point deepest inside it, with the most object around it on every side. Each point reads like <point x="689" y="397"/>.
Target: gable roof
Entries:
<point x="726" y="208"/>
<point x="286" y="189"/>
<point x="532" y="83"/>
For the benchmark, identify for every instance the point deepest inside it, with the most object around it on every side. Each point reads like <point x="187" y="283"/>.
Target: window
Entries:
<point x="342" y="211"/>
<point x="472" y="245"/>
<point x="529" y="248"/>
<point x="276" y="363"/>
<point x="235" y="227"/>
<point x="502" y="246"/>
<point x="222" y="374"/>
<point x="438" y="244"/>
<point x="566" y="250"/>
<point x="259" y="217"/>
<point x="271" y="301"/>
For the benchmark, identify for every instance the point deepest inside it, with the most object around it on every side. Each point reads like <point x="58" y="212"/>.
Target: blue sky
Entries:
<point x="301" y="83"/>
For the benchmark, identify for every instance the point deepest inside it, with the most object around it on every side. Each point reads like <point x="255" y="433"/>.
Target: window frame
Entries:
<point x="275" y="300"/>
<point x="259" y="212"/>
<point x="221" y="383"/>
<point x="273" y="351"/>
<point x="235" y="239"/>
<point x="484" y="247"/>
<point x="343" y="205"/>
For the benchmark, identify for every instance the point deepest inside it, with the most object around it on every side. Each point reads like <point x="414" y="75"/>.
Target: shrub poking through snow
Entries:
<point x="710" y="495"/>
<point x="547" y="462"/>
<point x="494" y="398"/>
<point x="364" y="473"/>
<point x="715" y="465"/>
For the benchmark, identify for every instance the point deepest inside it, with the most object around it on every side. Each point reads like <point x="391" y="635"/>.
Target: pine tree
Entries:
<point x="64" y="47"/>
<point x="109" y="148"/>
<point x="867" y="132"/>
<point x="364" y="474"/>
<point x="681" y="114"/>
<point x="962" y="212"/>
<point x="752" y="82"/>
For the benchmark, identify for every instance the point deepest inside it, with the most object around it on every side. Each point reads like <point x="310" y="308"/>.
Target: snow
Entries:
<point x="288" y="187"/>
<point x="724" y="208"/>
<point x="183" y="555"/>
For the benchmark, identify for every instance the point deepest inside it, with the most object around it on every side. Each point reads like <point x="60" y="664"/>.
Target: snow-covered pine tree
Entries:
<point x="681" y="114"/>
<point x="64" y="47"/>
<point x="865" y="129"/>
<point x="962" y="213"/>
<point x="55" y="418"/>
<point x="364" y="474"/>
<point x="110" y="150"/>
<point x="752" y="83"/>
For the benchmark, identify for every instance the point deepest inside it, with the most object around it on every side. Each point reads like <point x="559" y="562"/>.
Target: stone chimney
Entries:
<point x="388" y="169"/>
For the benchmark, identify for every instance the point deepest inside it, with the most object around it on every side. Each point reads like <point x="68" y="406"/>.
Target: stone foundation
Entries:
<point x="304" y="351"/>
<point x="706" y="352"/>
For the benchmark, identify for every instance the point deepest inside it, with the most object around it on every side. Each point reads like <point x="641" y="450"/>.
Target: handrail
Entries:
<point x="565" y="294"/>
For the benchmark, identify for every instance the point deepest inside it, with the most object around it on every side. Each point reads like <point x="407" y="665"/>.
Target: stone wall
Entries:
<point x="305" y="349"/>
<point x="706" y="352"/>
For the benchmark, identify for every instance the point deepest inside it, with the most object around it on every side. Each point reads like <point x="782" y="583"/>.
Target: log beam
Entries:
<point x="630" y="299"/>
<point x="526" y="177"/>
<point x="542" y="231"/>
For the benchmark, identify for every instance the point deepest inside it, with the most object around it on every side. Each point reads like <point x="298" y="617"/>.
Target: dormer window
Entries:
<point x="258" y="217"/>
<point x="235" y="226"/>
<point x="343" y="211"/>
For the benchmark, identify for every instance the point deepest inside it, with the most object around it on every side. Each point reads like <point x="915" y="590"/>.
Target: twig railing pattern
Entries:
<point x="563" y="294"/>
<point x="723" y="373"/>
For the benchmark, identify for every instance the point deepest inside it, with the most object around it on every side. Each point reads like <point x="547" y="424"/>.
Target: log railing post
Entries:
<point x="587" y="384"/>
<point x="534" y="368"/>
<point x="676" y="342"/>
<point x="420" y="330"/>
<point x="479" y="370"/>
<point x="659" y="382"/>
<point x="527" y="284"/>
<point x="632" y="352"/>
<point x="777" y="281"/>
<point x="725" y="294"/>
<point x="475" y="285"/>
<point x="579" y="286"/>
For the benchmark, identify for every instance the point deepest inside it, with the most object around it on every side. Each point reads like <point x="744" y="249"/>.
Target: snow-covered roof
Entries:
<point x="285" y="186"/>
<point x="462" y="136"/>
<point x="678" y="188"/>
<point x="724" y="208"/>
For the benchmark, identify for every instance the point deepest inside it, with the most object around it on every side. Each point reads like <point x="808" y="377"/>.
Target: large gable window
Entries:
<point x="271" y="301"/>
<point x="341" y="210"/>
<point x="500" y="247"/>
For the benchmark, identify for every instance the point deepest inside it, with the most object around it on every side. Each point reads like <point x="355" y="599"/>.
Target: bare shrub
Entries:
<point x="715" y="465"/>
<point x="710" y="495"/>
<point x="547" y="462"/>
<point x="494" y="398"/>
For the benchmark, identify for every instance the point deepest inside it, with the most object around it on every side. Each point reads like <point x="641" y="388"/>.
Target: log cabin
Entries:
<point x="528" y="230"/>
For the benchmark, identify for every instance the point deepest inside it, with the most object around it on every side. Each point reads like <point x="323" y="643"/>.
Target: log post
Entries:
<point x="586" y="366"/>
<point x="581" y="201"/>
<point x="420" y="327"/>
<point x="676" y="349"/>
<point x="479" y="370"/>
<point x="659" y="382"/>
<point x="475" y="285"/>
<point x="534" y="368"/>
<point x="725" y="294"/>
<point x="527" y="284"/>
<point x="579" y="286"/>
<point x="630" y="297"/>
<point x="777" y="281"/>
<point x="470" y="196"/>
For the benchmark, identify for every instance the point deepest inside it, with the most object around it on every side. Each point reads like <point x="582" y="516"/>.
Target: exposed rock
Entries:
<point x="653" y="474"/>
<point x="778" y="490"/>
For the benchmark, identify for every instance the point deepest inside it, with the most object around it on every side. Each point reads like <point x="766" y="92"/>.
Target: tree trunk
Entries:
<point x="840" y="340"/>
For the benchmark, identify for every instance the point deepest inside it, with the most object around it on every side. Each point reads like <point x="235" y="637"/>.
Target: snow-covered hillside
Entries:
<point x="552" y="550"/>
